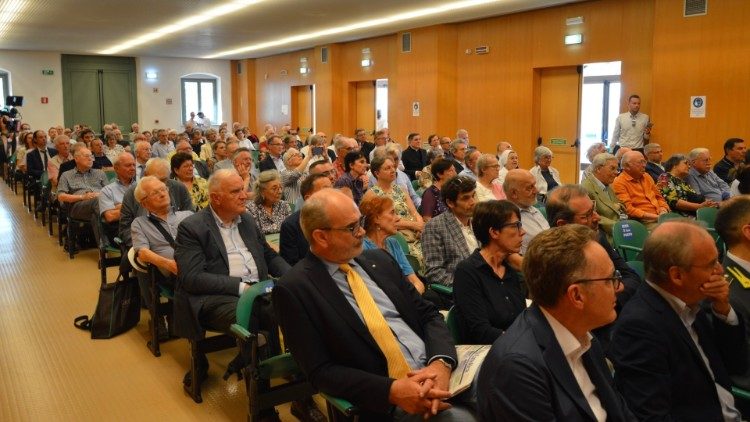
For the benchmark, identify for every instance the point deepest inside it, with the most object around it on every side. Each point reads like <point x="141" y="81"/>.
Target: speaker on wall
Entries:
<point x="406" y="42"/>
<point x="324" y="54"/>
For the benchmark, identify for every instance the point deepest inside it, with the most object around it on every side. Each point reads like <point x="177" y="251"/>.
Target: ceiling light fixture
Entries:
<point x="181" y="25"/>
<point x="573" y="39"/>
<point x="387" y="20"/>
<point x="9" y="12"/>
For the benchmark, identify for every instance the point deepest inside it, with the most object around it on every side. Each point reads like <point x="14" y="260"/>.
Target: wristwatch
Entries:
<point x="445" y="362"/>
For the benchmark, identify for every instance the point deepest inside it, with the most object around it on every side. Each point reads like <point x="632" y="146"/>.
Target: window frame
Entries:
<point x="199" y="79"/>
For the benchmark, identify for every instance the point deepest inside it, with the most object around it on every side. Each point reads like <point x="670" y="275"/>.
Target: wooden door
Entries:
<point x="302" y="109"/>
<point x="365" y="106"/>
<point x="559" y="109"/>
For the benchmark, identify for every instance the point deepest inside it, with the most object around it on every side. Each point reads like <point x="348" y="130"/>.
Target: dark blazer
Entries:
<point x="658" y="368"/>
<point x="739" y="297"/>
<point x="526" y="377"/>
<point x="654" y="170"/>
<point x="267" y="163"/>
<point x="35" y="162"/>
<point x="203" y="266"/>
<point x="366" y="148"/>
<point x="330" y="342"/>
<point x="202" y="168"/>
<point x="292" y="243"/>
<point x="413" y="160"/>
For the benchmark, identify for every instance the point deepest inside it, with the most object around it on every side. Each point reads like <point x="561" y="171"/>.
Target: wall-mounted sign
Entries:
<point x="169" y="101"/>
<point x="558" y="141"/>
<point x="45" y="100"/>
<point x="415" y="109"/>
<point x="48" y="72"/>
<point x="698" y="107"/>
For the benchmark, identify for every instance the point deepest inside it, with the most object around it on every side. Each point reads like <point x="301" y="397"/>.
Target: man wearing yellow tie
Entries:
<point x="356" y="327"/>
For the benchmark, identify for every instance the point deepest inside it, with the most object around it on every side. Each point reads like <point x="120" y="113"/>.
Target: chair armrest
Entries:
<point x="341" y="405"/>
<point x="443" y="290"/>
<point x="631" y="248"/>
<point x="240" y="332"/>
<point x="740" y="393"/>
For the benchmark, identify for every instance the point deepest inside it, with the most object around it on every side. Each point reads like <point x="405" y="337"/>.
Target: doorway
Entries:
<point x="600" y="104"/>
<point x="558" y="91"/>
<point x="381" y="104"/>
<point x="303" y="109"/>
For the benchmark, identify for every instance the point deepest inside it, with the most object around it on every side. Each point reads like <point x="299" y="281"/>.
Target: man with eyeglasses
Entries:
<point x="78" y="189"/>
<point x="598" y="183"/>
<point x="356" y="327"/>
<point x="638" y="193"/>
<point x="520" y="189"/>
<point x="632" y="128"/>
<point x="678" y="339"/>
<point x="343" y="146"/>
<point x="547" y="365"/>
<point x="273" y="160"/>
<point x="703" y="179"/>
<point x="570" y="204"/>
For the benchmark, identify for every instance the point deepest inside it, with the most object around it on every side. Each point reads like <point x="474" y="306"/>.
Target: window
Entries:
<point x="200" y="93"/>
<point x="4" y="87"/>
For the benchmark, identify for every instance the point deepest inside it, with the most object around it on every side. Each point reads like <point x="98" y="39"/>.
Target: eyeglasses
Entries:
<point x="589" y="213"/>
<point x="274" y="145"/>
<point x="353" y="228"/>
<point x="517" y="224"/>
<point x="155" y="192"/>
<point x="616" y="280"/>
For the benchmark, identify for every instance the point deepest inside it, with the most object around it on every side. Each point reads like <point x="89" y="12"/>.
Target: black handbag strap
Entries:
<point x="82" y="322"/>
<point x="167" y="236"/>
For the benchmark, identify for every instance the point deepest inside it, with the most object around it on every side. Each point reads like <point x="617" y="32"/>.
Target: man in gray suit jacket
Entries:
<point x="447" y="239"/>
<point x="598" y="184"/>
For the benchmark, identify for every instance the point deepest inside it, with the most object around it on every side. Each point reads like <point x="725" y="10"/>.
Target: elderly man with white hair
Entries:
<point x="639" y="193"/>
<point x="547" y="177"/>
<point x="703" y="179"/>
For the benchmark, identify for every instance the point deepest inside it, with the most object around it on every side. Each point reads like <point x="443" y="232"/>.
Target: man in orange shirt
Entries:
<point x="638" y="192"/>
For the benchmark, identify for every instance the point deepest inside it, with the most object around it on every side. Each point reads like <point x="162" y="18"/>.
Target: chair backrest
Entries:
<point x="246" y="301"/>
<point x="111" y="175"/>
<point x="540" y="206"/>
<point x="637" y="266"/>
<point x="629" y="236"/>
<point x="414" y="262"/>
<point x="402" y="242"/>
<point x="707" y="215"/>
<point x="669" y="216"/>
<point x="453" y="325"/>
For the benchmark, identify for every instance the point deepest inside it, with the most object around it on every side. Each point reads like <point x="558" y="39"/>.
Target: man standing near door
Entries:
<point x="633" y="128"/>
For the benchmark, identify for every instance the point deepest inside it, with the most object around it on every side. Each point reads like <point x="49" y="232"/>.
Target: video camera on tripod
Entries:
<point x="10" y="113"/>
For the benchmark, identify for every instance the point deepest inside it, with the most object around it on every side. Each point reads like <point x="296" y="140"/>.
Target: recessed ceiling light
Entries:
<point x="187" y="23"/>
<point x="399" y="17"/>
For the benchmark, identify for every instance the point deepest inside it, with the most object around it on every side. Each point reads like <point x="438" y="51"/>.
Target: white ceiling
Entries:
<point x="90" y="26"/>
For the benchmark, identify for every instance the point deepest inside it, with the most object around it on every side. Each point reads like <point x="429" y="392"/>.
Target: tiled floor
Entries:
<point x="50" y="370"/>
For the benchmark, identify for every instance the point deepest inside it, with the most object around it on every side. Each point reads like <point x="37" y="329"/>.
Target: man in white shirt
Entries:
<point x="678" y="339"/>
<point x="633" y="128"/>
<point x="547" y="365"/>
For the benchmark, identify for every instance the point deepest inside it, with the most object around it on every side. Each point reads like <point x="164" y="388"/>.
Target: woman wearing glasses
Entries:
<point x="680" y="196"/>
<point x="268" y="209"/>
<point x="488" y="293"/>
<point x="380" y="225"/>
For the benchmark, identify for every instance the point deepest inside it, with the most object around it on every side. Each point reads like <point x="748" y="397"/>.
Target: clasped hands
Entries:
<point x="423" y="391"/>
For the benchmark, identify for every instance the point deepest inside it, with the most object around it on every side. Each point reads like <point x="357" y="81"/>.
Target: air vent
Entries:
<point x="284" y="72"/>
<point x="406" y="42"/>
<point x="482" y="49"/>
<point x="324" y="54"/>
<point x="239" y="68"/>
<point x="695" y="7"/>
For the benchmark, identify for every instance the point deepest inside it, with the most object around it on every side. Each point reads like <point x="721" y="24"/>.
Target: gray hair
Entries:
<point x="61" y="138"/>
<point x="695" y="152"/>
<point x="77" y="147"/>
<point x="483" y="162"/>
<point x="541" y="152"/>
<point x="504" y="157"/>
<point x="239" y="151"/>
<point x="154" y="165"/>
<point x="600" y="160"/>
<point x="650" y="147"/>
<point x="456" y="143"/>
<point x="670" y="246"/>
<point x="264" y="178"/>
<point x="289" y="154"/>
<point x="593" y="150"/>
<point x="139" y="193"/>
<point x="119" y="156"/>
<point x="214" y="182"/>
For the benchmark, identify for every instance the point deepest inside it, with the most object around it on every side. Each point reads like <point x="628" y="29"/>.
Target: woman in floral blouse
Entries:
<point x="268" y="209"/>
<point x="183" y="171"/>
<point x="680" y="196"/>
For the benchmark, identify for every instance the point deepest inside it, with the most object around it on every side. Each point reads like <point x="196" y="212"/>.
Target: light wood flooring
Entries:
<point x="50" y="370"/>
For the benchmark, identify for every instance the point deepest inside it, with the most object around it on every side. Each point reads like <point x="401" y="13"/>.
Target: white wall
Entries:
<point x="152" y="106"/>
<point x="25" y="68"/>
<point x="26" y="79"/>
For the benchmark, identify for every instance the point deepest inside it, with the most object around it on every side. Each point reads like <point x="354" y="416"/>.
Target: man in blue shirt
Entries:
<point x="703" y="179"/>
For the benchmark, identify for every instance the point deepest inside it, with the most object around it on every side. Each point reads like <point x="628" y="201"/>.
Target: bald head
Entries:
<point x="157" y="167"/>
<point x="330" y="223"/>
<point x="634" y="164"/>
<point x="676" y="244"/>
<point x="520" y="187"/>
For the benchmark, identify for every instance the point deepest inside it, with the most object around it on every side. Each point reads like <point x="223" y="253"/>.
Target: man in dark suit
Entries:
<point x="731" y="224"/>
<point x="547" y="365"/>
<point x="38" y="158"/>
<point x="273" y="160"/>
<point x="414" y="157"/>
<point x="355" y="326"/>
<point x="672" y="357"/>
<point x="654" y="155"/>
<point x="292" y="243"/>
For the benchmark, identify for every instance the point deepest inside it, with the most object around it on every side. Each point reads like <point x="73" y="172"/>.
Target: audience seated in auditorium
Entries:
<point x="163" y="146"/>
<point x="183" y="171"/>
<point x="79" y="188"/>
<point x="488" y="293"/>
<point x="654" y="155"/>
<point x="267" y="208"/>
<point x="470" y="163"/>
<point x="458" y="149"/>
<point x="101" y="161"/>
<point x="376" y="344"/>
<point x="680" y="196"/>
<point x="672" y="359"/>
<point x="62" y="145"/>
<point x="546" y="176"/>
<point x="448" y="239"/>
<point x="38" y="159"/>
<point x="292" y="243"/>
<point x="638" y="192"/>
<point x="274" y="159"/>
<point x="703" y="179"/>
<point x="598" y="183"/>
<point x="547" y="365"/>
<point x="520" y="189"/>
<point x="734" y="156"/>
<point x="488" y="187"/>
<point x="414" y="157"/>
<point x="355" y="174"/>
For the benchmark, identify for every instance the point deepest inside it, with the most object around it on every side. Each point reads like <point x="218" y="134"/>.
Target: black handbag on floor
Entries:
<point x="118" y="309"/>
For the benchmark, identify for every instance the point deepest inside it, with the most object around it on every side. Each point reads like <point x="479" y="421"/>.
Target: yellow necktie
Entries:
<point x="376" y="324"/>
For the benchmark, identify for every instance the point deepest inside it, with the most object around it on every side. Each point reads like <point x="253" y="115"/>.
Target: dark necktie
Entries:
<point x="44" y="158"/>
<point x="140" y="171"/>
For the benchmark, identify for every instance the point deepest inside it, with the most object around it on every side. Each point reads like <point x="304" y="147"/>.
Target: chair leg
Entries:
<point x="72" y="236"/>
<point x="153" y="310"/>
<point x="194" y="389"/>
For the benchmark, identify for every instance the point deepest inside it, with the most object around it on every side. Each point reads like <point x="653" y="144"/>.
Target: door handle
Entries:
<point x="576" y="144"/>
<point x="539" y="141"/>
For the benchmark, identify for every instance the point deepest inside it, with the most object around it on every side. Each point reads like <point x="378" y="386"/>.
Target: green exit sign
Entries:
<point x="558" y="141"/>
<point x="48" y="72"/>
